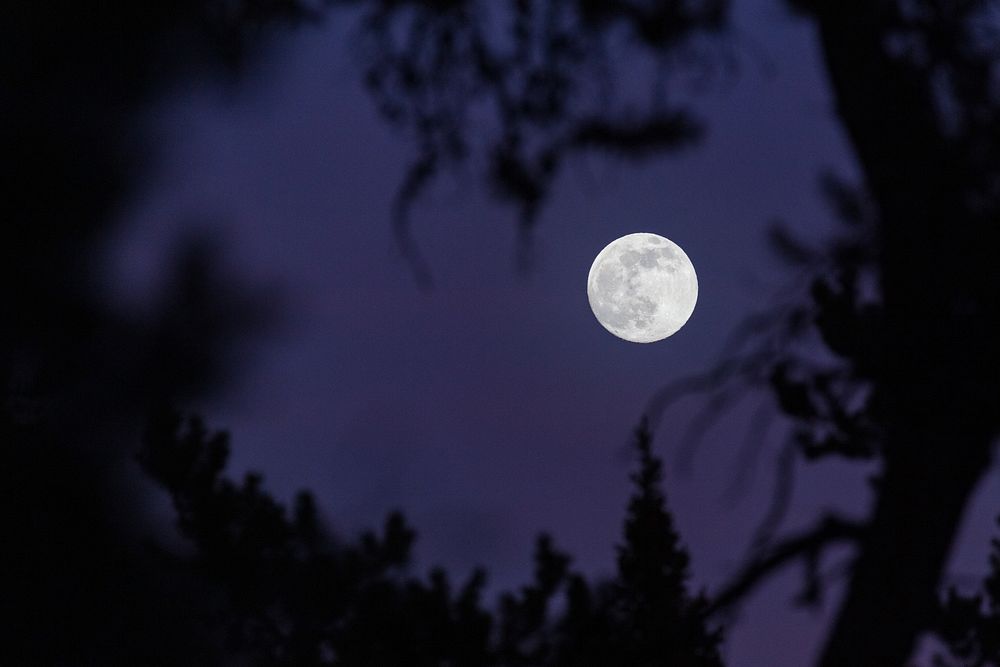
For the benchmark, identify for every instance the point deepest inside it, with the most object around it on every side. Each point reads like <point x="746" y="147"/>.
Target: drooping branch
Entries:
<point x="807" y="546"/>
<point x="515" y="87"/>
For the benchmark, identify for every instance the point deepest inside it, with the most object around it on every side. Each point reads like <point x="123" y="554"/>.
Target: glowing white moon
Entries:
<point x="642" y="287"/>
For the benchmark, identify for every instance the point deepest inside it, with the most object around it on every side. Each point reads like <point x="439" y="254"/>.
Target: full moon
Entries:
<point x="642" y="287"/>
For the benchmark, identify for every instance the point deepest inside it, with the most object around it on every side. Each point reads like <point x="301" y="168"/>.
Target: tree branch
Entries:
<point x="807" y="545"/>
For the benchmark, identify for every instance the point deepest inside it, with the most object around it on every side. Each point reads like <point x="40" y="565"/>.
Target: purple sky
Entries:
<point x="495" y="406"/>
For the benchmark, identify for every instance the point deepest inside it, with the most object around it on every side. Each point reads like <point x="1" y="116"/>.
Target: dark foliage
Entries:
<point x="890" y="356"/>
<point x="537" y="80"/>
<point x="660" y="620"/>
<point x="875" y="362"/>
<point x="79" y="585"/>
<point x="288" y="593"/>
<point x="969" y="625"/>
<point x="291" y="594"/>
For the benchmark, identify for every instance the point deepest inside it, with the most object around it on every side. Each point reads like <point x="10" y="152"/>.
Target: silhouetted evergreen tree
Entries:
<point x="663" y="625"/>
<point x="288" y="593"/>
<point x="913" y="383"/>
<point x="293" y="595"/>
<point x="643" y="617"/>
<point x="883" y="359"/>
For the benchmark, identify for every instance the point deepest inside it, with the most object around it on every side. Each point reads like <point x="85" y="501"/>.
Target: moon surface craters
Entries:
<point x="642" y="287"/>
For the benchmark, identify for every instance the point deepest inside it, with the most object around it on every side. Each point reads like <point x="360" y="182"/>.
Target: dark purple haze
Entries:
<point x="495" y="406"/>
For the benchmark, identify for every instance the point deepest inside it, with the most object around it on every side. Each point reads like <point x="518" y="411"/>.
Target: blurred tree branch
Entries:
<point x="536" y="79"/>
<point x="883" y="358"/>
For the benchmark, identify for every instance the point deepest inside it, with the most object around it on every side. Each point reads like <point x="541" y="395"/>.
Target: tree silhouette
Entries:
<point x="77" y="372"/>
<point x="970" y="625"/>
<point x="906" y="304"/>
<point x="291" y="594"/>
<point x="660" y="621"/>
<point x="294" y="595"/>
<point x="917" y="367"/>
<point x="538" y="78"/>
<point x="644" y="616"/>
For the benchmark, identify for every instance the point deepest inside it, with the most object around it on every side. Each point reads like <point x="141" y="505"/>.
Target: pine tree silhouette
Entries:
<point x="291" y="594"/>
<point x="661" y="622"/>
<point x="875" y="361"/>
<point x="914" y="388"/>
<point x="294" y="595"/>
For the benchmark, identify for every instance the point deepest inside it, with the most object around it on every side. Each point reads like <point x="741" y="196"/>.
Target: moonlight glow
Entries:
<point x="642" y="287"/>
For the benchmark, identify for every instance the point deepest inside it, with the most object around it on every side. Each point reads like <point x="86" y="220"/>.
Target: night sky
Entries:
<point x="494" y="406"/>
